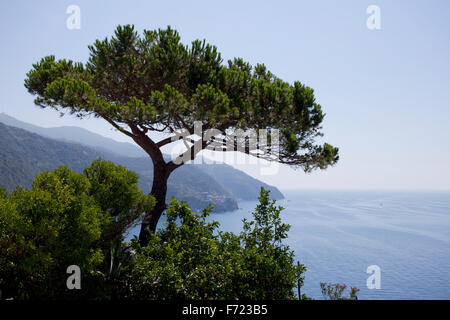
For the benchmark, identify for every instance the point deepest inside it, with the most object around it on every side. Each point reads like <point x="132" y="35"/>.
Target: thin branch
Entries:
<point x="115" y="125"/>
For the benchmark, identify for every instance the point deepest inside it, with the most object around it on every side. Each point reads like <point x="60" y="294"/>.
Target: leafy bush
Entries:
<point x="63" y="220"/>
<point x="334" y="291"/>
<point x="68" y="218"/>
<point x="190" y="259"/>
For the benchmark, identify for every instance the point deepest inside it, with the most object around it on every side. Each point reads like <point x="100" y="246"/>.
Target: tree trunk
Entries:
<point x="159" y="191"/>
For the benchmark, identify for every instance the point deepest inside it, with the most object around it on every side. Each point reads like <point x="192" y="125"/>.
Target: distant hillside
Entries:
<point x="187" y="183"/>
<point x="23" y="155"/>
<point x="241" y="185"/>
<point x="201" y="184"/>
<point x="77" y="135"/>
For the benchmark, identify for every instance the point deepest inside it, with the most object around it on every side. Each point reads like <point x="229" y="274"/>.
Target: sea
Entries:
<point x="343" y="236"/>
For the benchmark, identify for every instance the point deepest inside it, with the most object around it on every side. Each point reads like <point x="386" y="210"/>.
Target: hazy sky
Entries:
<point x="385" y="92"/>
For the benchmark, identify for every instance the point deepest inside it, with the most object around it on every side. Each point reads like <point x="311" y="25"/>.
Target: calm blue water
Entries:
<point x="337" y="235"/>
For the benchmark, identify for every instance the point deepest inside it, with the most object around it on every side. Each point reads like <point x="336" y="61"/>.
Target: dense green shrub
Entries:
<point x="65" y="219"/>
<point x="68" y="218"/>
<point x="190" y="259"/>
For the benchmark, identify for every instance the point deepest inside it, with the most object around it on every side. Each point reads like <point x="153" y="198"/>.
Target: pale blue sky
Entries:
<point x="385" y="92"/>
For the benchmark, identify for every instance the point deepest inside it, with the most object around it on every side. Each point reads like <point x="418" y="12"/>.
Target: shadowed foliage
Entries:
<point x="66" y="218"/>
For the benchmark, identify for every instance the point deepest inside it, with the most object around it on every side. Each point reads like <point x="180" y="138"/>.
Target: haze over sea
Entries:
<point x="338" y="234"/>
